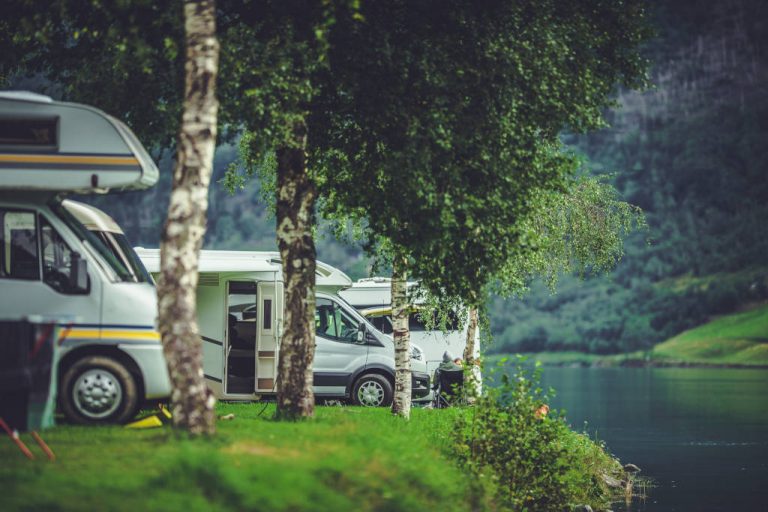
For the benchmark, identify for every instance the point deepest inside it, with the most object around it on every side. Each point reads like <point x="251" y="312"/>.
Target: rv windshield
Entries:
<point x="357" y="315"/>
<point x="119" y="246"/>
<point x="83" y="234"/>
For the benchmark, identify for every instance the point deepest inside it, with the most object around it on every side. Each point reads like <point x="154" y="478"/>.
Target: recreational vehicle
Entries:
<point x="373" y="298"/>
<point x="51" y="265"/>
<point x="240" y="315"/>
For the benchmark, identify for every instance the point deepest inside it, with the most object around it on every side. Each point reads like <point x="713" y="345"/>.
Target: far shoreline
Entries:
<point x="585" y="360"/>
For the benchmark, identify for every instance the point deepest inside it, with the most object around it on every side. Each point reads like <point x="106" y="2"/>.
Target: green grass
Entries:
<point x="740" y="338"/>
<point x="346" y="458"/>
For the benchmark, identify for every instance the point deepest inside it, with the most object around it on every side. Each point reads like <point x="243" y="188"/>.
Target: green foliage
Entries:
<point x="442" y="126"/>
<point x="580" y="229"/>
<point x="121" y="56"/>
<point x="272" y="52"/>
<point x="252" y="163"/>
<point x="530" y="463"/>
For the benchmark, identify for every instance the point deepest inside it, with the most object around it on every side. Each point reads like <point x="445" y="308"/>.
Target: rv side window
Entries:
<point x="18" y="240"/>
<point x="331" y="321"/>
<point x="382" y="323"/>
<point x="267" y="314"/>
<point x="31" y="134"/>
<point x="57" y="260"/>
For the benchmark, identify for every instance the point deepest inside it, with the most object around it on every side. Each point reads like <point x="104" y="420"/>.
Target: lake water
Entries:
<point x="701" y="434"/>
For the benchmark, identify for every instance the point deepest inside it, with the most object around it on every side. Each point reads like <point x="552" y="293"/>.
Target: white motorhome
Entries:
<point x="373" y="298"/>
<point x="52" y="265"/>
<point x="240" y="315"/>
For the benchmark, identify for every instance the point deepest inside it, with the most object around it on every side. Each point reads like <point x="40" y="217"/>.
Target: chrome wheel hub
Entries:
<point x="370" y="394"/>
<point x="97" y="393"/>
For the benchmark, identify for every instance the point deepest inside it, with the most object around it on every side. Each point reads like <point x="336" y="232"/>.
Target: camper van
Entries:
<point x="52" y="265"/>
<point x="373" y="298"/>
<point x="240" y="316"/>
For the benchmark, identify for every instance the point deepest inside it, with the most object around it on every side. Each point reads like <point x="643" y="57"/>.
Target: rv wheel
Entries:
<point x="372" y="390"/>
<point x="98" y="389"/>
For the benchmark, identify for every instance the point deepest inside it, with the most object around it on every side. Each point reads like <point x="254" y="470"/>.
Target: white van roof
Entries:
<point x="246" y="261"/>
<point x="67" y="147"/>
<point x="92" y="218"/>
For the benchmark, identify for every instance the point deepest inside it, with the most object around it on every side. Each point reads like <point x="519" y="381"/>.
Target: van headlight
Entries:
<point x="416" y="353"/>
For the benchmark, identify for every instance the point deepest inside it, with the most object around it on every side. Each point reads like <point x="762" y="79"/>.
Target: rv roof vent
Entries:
<point x="208" y="279"/>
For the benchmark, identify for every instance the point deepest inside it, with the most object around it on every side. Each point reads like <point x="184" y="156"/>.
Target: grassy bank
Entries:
<point x="345" y="459"/>
<point x="739" y="339"/>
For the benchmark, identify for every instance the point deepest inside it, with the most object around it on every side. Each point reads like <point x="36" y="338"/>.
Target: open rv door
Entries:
<point x="270" y="324"/>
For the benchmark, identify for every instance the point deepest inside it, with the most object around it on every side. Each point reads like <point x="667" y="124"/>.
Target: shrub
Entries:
<point x="530" y="462"/>
<point x="502" y="439"/>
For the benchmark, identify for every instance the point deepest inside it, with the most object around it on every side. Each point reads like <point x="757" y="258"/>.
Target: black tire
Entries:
<point x="368" y="384"/>
<point x="98" y="390"/>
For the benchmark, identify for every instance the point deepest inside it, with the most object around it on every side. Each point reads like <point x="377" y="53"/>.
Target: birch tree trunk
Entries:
<point x="472" y="375"/>
<point x="191" y="401"/>
<point x="296" y="196"/>
<point x="401" y="405"/>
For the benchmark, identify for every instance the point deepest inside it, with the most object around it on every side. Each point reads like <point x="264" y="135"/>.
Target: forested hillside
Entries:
<point x="692" y="151"/>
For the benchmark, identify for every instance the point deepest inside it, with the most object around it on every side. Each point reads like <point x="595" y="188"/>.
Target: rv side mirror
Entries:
<point x="78" y="277"/>
<point x="361" y="333"/>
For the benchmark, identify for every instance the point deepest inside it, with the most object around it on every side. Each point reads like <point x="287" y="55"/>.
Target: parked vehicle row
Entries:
<point x="372" y="297"/>
<point x="240" y="312"/>
<point x="71" y="263"/>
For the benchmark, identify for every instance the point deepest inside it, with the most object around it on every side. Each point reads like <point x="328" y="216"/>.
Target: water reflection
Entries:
<point x="700" y="433"/>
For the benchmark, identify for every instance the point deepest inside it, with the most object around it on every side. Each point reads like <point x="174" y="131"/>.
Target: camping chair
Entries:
<point x="448" y="388"/>
<point x="27" y="380"/>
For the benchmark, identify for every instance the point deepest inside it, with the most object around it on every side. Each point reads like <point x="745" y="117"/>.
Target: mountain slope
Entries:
<point x="740" y="338"/>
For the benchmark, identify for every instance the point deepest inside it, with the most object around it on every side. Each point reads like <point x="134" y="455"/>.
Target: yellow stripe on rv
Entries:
<point x="113" y="334"/>
<point x="69" y="159"/>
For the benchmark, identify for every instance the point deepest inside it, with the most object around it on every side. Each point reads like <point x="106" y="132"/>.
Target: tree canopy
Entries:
<point x="127" y="58"/>
<point x="579" y="230"/>
<point x="441" y="129"/>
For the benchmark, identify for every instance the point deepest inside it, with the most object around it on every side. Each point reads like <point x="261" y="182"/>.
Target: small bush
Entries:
<point x="528" y="460"/>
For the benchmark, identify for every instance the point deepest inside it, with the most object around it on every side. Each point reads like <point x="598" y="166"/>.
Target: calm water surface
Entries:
<point x="702" y="434"/>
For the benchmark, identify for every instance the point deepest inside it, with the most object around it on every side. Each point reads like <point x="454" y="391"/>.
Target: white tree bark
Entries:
<point x="191" y="401"/>
<point x="401" y="405"/>
<point x="296" y="197"/>
<point x="472" y="378"/>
